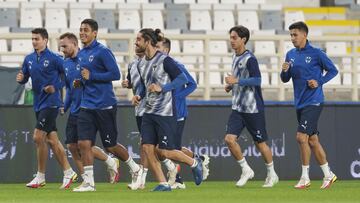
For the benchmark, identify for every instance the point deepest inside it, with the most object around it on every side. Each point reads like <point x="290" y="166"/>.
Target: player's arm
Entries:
<point x="67" y="101"/>
<point x="112" y="70"/>
<point x="190" y="85"/>
<point x="285" y="75"/>
<point x="23" y="76"/>
<point x="254" y="74"/>
<point x="177" y="77"/>
<point x="327" y="65"/>
<point x="127" y="83"/>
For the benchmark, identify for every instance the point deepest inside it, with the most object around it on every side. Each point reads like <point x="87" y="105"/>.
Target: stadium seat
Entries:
<point x="161" y="1"/>
<point x="264" y="47"/>
<point x="80" y="6"/>
<point x="105" y="6"/>
<point x="230" y="2"/>
<point x="274" y="79"/>
<point x="271" y="20"/>
<point x="176" y="19"/>
<point x="56" y="5"/>
<point x="175" y="47"/>
<point x="292" y="17"/>
<point x="30" y="18"/>
<point x="343" y="2"/>
<point x="335" y="48"/>
<point x="200" y="20"/>
<point x="152" y="19"/>
<point x="8" y="17"/>
<point x="254" y="1"/>
<point x="39" y="5"/>
<point x="105" y="18"/>
<point x="114" y="1"/>
<point x="184" y="2"/>
<point x="69" y="1"/>
<point x="193" y="46"/>
<point x="21" y="45"/>
<point x="118" y="45"/>
<point x="248" y="19"/>
<point x="77" y="16"/>
<point x="208" y="1"/>
<point x="89" y="1"/>
<point x="55" y="18"/>
<point x="347" y="79"/>
<point x="129" y="19"/>
<point x="223" y="20"/>
<point x="3" y="45"/>
<point x="137" y="1"/>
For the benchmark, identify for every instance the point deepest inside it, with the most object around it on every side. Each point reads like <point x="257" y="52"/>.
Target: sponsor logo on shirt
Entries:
<point x="91" y="58"/>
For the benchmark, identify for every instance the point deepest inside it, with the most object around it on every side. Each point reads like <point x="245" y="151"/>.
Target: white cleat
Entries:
<point x="205" y="167"/>
<point x="68" y="180"/>
<point x="135" y="179"/>
<point x="245" y="176"/>
<point x="303" y="183"/>
<point x="85" y="187"/>
<point x="114" y="174"/>
<point x="271" y="180"/>
<point x="172" y="175"/>
<point x="328" y="181"/>
<point x="178" y="185"/>
<point x="36" y="183"/>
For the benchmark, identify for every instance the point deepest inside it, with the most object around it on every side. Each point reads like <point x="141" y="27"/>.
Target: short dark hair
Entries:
<point x="154" y="36"/>
<point x="300" y="25"/>
<point x="167" y="43"/>
<point x="41" y="31"/>
<point x="92" y="23"/>
<point x="242" y="31"/>
<point x="70" y="36"/>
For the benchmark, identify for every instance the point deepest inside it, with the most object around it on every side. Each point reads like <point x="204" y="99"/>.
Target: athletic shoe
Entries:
<point x="198" y="172"/>
<point x="179" y="184"/>
<point x="36" y="183"/>
<point x="172" y="174"/>
<point x="205" y="166"/>
<point x="328" y="181"/>
<point x="245" y="176"/>
<point x="135" y="179"/>
<point x="114" y="171"/>
<point x="271" y="180"/>
<point x="68" y="180"/>
<point x="85" y="187"/>
<point x="303" y="183"/>
<point x="162" y="188"/>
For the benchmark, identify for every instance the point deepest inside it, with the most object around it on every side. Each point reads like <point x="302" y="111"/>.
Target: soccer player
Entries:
<point x="45" y="67"/>
<point x="98" y="105"/>
<point x="69" y="46"/>
<point x="305" y="65"/>
<point x="247" y="107"/>
<point x="180" y="95"/>
<point x="161" y="76"/>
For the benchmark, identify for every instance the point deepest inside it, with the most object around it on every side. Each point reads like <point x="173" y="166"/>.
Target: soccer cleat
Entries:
<point x="245" y="176"/>
<point x="328" y="181"/>
<point x="172" y="174"/>
<point x="68" y="180"/>
<point x="36" y="183"/>
<point x="271" y="180"/>
<point x="198" y="172"/>
<point x="205" y="166"/>
<point x="162" y="188"/>
<point x="135" y="179"/>
<point x="85" y="187"/>
<point x="303" y="183"/>
<point x="179" y="184"/>
<point x="114" y="172"/>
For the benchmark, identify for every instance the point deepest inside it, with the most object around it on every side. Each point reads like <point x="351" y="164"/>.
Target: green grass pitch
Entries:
<point x="341" y="191"/>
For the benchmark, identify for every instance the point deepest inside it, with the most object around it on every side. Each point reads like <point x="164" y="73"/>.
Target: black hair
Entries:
<point x="92" y="23"/>
<point x="300" y="26"/>
<point x="41" y="31"/>
<point x="154" y="36"/>
<point x="242" y="31"/>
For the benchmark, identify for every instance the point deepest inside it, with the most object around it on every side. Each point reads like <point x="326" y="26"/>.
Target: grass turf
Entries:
<point x="341" y="191"/>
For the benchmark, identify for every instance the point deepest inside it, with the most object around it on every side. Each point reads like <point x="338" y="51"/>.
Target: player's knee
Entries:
<point x="313" y="142"/>
<point x="229" y="139"/>
<point x="301" y="138"/>
<point x="73" y="148"/>
<point x="83" y="145"/>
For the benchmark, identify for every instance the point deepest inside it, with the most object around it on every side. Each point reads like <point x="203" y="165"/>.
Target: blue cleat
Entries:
<point x="162" y="188"/>
<point x="198" y="172"/>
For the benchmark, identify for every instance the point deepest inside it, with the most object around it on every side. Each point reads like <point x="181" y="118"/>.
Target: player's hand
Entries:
<point x="49" y="89"/>
<point x="85" y="74"/>
<point x="285" y="66"/>
<point x="313" y="84"/>
<point x="77" y="83"/>
<point x="125" y="84"/>
<point x="62" y="111"/>
<point x="19" y="76"/>
<point x="136" y="100"/>
<point x="228" y="88"/>
<point x="155" y="88"/>
<point x="230" y="80"/>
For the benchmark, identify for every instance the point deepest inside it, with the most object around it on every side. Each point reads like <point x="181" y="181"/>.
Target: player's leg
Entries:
<point x="111" y="163"/>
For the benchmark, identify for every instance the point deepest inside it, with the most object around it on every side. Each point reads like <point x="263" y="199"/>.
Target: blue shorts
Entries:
<point x="103" y="120"/>
<point x="179" y="132"/>
<point x="71" y="130"/>
<point x="308" y="118"/>
<point x="254" y="123"/>
<point x="158" y="130"/>
<point x="138" y="122"/>
<point x="46" y="119"/>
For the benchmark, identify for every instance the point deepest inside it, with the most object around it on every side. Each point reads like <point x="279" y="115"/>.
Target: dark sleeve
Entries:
<point x="25" y="71"/>
<point x="285" y="76"/>
<point x="128" y="77"/>
<point x="171" y="68"/>
<point x="110" y="65"/>
<point x="254" y="73"/>
<point x="327" y="65"/>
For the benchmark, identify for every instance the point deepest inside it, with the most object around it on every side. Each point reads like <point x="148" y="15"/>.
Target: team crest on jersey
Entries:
<point x="46" y="63"/>
<point x="308" y="59"/>
<point x="91" y="58"/>
<point x="154" y="67"/>
<point x="78" y="67"/>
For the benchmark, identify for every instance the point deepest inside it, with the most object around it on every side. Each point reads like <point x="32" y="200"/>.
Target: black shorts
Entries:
<point x="254" y="123"/>
<point x="308" y="118"/>
<point x="46" y="119"/>
<point x="90" y="121"/>
<point x="138" y="122"/>
<point x="71" y="130"/>
<point x="178" y="137"/>
<point x="158" y="130"/>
